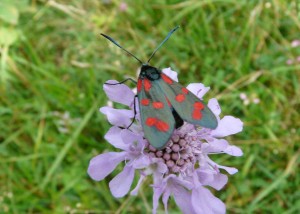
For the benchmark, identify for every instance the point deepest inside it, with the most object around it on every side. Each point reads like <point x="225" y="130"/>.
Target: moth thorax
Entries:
<point x="150" y="72"/>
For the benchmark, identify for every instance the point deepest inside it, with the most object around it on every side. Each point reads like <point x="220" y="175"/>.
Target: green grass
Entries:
<point x="53" y="62"/>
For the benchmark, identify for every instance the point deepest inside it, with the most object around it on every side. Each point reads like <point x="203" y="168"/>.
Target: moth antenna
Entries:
<point x="168" y="36"/>
<point x="113" y="41"/>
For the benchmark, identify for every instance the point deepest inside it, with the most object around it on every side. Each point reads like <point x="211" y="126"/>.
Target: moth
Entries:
<point x="164" y="103"/>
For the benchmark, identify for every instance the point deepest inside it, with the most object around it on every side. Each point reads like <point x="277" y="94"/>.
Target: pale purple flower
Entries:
<point x="289" y="61"/>
<point x="182" y="169"/>
<point x="293" y="61"/>
<point x="243" y="96"/>
<point x="295" y="43"/>
<point x="123" y="6"/>
<point x="256" y="100"/>
<point x="252" y="99"/>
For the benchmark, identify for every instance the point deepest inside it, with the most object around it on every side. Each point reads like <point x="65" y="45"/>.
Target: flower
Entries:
<point x="247" y="100"/>
<point x="295" y="43"/>
<point x="123" y="6"/>
<point x="289" y="61"/>
<point x="183" y="169"/>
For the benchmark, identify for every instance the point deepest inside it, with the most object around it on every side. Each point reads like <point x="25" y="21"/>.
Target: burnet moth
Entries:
<point x="164" y="103"/>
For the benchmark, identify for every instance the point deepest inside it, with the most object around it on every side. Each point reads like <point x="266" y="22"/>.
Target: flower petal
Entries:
<point x="182" y="182"/>
<point x="183" y="200"/>
<point x="117" y="117"/>
<point x="120" y="185"/>
<point x="161" y="167"/>
<point x="198" y="89"/>
<point x="230" y="170"/>
<point x="205" y="174"/>
<point x="234" y="151"/>
<point x="130" y="137"/>
<point x="212" y="178"/>
<point x="157" y="192"/>
<point x="216" y="146"/>
<point x="214" y="106"/>
<point x="136" y="189"/>
<point x="113" y="136"/>
<point x="102" y="165"/>
<point x="170" y="73"/>
<point x="220" y="146"/>
<point x="205" y="202"/>
<point x="219" y="181"/>
<point x="228" y="125"/>
<point x="141" y="162"/>
<point x="119" y="93"/>
<point x="165" y="199"/>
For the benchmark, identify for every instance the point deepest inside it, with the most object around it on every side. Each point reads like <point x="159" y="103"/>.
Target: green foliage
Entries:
<point x="53" y="64"/>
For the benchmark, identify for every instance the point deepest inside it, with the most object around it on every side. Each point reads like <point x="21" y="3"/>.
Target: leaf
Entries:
<point x="8" y="36"/>
<point x="9" y="13"/>
<point x="20" y="5"/>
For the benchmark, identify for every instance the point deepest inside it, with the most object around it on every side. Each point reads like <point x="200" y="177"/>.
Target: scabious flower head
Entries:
<point x="183" y="169"/>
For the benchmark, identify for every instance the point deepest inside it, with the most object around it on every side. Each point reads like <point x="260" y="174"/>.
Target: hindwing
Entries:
<point x="189" y="107"/>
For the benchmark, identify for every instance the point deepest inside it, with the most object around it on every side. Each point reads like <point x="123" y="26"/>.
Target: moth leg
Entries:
<point x="132" y="80"/>
<point x="134" y="109"/>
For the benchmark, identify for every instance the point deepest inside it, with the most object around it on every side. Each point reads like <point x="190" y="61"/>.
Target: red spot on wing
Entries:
<point x="185" y="91"/>
<point x="166" y="79"/>
<point x="180" y="98"/>
<point x="145" y="102"/>
<point x="147" y="84"/>
<point x="151" y="121"/>
<point x="162" y="126"/>
<point x="159" y="124"/>
<point x="168" y="101"/>
<point x="198" y="105"/>
<point x="157" y="105"/>
<point x="139" y="85"/>
<point x="197" y="115"/>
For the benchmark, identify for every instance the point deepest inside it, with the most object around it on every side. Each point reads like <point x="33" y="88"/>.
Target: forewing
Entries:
<point x="156" y="116"/>
<point x="189" y="107"/>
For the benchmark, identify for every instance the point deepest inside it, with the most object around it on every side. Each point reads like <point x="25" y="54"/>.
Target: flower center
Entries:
<point x="179" y="155"/>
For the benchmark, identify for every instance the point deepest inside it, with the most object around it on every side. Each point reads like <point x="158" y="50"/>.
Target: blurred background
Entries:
<point x="53" y="63"/>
